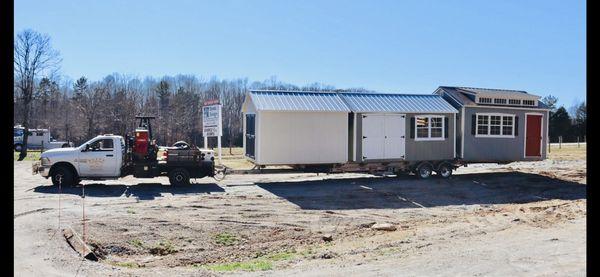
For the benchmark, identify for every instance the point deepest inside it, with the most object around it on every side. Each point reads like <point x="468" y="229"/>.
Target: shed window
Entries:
<point x="495" y="125"/>
<point x="514" y="101"/>
<point x="485" y="100"/>
<point x="499" y="101"/>
<point x="529" y="102"/>
<point x="429" y="127"/>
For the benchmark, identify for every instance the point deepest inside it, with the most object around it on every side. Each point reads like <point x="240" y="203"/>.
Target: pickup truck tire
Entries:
<point x="18" y="147"/>
<point x="179" y="177"/>
<point x="64" y="174"/>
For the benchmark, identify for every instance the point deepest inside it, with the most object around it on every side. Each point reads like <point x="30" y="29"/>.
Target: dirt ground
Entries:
<point x="488" y="219"/>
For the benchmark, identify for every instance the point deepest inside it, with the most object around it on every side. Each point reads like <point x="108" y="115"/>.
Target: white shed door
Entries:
<point x="373" y="141"/>
<point x="383" y="136"/>
<point x="395" y="129"/>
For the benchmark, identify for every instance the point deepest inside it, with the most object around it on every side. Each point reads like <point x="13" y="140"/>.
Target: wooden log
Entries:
<point x="78" y="244"/>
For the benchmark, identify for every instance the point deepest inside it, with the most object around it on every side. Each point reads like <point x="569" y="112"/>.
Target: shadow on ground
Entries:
<point x="409" y="192"/>
<point x="143" y="191"/>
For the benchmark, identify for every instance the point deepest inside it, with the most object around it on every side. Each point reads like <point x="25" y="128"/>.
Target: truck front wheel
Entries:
<point x="179" y="177"/>
<point x="63" y="176"/>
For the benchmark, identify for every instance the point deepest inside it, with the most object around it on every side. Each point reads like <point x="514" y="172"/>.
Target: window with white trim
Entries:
<point x="529" y="102"/>
<point x="429" y="127"/>
<point x="485" y="100"/>
<point x="499" y="101"/>
<point x="495" y="125"/>
<point x="514" y="101"/>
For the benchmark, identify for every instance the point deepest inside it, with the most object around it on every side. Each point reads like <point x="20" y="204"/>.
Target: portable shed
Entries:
<point x="299" y="127"/>
<point x="497" y="125"/>
<point x="283" y="128"/>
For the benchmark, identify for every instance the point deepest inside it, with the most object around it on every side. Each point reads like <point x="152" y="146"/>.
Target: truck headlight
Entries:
<point x="45" y="161"/>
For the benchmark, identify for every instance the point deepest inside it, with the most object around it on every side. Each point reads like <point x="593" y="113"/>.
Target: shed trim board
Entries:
<point x="454" y="120"/>
<point x="506" y="107"/>
<point x="354" y="138"/>
<point x="462" y="134"/>
<point x="541" y="134"/>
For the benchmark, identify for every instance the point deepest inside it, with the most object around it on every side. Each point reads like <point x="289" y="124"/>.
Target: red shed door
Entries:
<point x="533" y="136"/>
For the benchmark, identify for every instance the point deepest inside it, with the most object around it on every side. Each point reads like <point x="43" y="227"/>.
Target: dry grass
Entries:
<point x="567" y="152"/>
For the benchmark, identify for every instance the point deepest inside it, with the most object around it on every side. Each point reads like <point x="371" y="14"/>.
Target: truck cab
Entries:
<point x="101" y="157"/>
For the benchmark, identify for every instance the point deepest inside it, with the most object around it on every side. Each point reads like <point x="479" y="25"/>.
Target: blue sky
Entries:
<point x="388" y="46"/>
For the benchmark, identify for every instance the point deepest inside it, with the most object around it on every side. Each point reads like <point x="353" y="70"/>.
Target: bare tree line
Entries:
<point x="79" y="110"/>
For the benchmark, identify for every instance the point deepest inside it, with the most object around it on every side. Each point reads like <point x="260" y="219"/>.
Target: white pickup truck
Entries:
<point x="38" y="139"/>
<point x="109" y="157"/>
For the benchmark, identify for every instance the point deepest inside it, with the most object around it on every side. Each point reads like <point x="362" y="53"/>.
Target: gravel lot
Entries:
<point x="520" y="218"/>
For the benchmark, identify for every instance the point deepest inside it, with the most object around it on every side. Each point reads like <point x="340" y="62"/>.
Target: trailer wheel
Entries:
<point x="424" y="171"/>
<point x="179" y="177"/>
<point x="63" y="176"/>
<point x="444" y="170"/>
<point x="18" y="147"/>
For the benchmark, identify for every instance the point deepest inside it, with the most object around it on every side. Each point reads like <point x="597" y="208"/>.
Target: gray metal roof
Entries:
<point x="270" y="100"/>
<point x="297" y="101"/>
<point x="405" y="103"/>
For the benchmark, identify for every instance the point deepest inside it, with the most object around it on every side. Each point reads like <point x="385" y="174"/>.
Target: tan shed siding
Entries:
<point x="302" y="138"/>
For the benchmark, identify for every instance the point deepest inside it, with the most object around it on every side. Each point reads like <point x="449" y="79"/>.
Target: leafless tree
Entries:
<point x="33" y="55"/>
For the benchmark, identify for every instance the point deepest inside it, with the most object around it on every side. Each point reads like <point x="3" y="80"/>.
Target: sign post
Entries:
<point x="211" y="123"/>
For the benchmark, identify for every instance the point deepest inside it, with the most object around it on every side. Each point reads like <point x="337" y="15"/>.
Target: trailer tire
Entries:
<point x="424" y="171"/>
<point x="62" y="174"/>
<point x="444" y="170"/>
<point x="179" y="177"/>
<point x="18" y="147"/>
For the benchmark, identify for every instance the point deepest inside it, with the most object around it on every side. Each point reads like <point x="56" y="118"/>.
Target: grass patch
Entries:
<point x="281" y="256"/>
<point x="252" y="265"/>
<point x="567" y="152"/>
<point x="137" y="243"/>
<point x="126" y="264"/>
<point x="226" y="239"/>
<point x="257" y="264"/>
<point x="32" y="155"/>
<point x="163" y="248"/>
